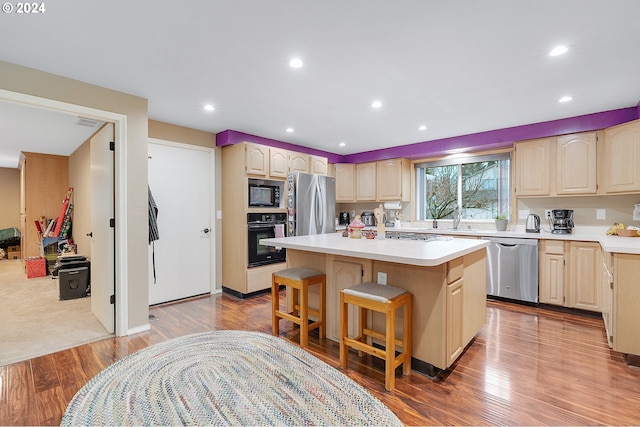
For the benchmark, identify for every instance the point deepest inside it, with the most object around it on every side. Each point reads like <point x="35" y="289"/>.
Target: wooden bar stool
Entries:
<point x="383" y="299"/>
<point x="299" y="279"/>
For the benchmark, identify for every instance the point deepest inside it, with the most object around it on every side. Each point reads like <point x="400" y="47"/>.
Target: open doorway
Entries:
<point x="115" y="321"/>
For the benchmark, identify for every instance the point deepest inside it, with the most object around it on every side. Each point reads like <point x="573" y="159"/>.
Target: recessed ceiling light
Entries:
<point x="565" y="99"/>
<point x="342" y="144"/>
<point x="209" y="107"/>
<point x="376" y="104"/>
<point x="296" y="63"/>
<point x="558" y="50"/>
<point x="423" y="127"/>
<point x="290" y="130"/>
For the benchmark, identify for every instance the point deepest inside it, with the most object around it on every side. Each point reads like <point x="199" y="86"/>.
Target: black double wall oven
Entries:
<point x="265" y="226"/>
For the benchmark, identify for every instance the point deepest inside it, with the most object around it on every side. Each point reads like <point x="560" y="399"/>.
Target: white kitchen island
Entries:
<point x="447" y="278"/>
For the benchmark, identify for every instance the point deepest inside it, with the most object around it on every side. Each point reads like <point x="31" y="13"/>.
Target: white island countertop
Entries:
<point x="414" y="252"/>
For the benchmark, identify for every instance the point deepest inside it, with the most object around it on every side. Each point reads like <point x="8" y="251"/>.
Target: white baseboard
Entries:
<point x="139" y="329"/>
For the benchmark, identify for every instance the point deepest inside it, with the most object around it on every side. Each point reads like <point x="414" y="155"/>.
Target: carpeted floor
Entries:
<point x="34" y="322"/>
<point x="224" y="378"/>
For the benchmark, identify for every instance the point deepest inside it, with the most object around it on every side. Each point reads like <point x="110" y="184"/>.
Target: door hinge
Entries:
<point x="361" y="273"/>
<point x="112" y="222"/>
<point x="112" y="145"/>
<point x="112" y="299"/>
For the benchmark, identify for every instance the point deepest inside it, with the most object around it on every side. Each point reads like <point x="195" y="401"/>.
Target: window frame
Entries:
<point x="458" y="160"/>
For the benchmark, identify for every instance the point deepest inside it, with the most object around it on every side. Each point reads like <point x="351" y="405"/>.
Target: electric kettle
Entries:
<point x="533" y="224"/>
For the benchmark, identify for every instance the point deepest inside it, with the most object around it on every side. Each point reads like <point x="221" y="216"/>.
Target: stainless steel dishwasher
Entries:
<point x="512" y="269"/>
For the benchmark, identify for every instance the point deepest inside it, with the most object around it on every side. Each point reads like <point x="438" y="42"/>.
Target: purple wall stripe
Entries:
<point x="473" y="142"/>
<point x="230" y="137"/>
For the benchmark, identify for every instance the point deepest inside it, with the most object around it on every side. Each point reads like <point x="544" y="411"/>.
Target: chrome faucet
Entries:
<point x="457" y="216"/>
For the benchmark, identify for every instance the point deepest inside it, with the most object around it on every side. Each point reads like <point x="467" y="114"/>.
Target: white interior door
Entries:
<point x="103" y="235"/>
<point x="181" y="181"/>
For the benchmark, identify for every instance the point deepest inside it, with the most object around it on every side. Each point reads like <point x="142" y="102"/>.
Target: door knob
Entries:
<point x="90" y="234"/>
<point x="206" y="230"/>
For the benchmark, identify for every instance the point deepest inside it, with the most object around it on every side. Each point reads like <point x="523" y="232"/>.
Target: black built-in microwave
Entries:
<point x="261" y="195"/>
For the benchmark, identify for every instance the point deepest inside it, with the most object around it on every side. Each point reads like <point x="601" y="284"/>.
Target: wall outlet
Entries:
<point x="547" y="213"/>
<point x="382" y="278"/>
<point x="601" y="214"/>
<point x="218" y="214"/>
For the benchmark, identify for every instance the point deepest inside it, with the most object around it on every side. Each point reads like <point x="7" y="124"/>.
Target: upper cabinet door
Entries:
<point x="621" y="169"/>
<point x="345" y="182"/>
<point x="299" y="162"/>
<point x="393" y="177"/>
<point x="256" y="159"/>
<point x="318" y="165"/>
<point x="279" y="162"/>
<point x="533" y="167"/>
<point x="366" y="181"/>
<point x="576" y="164"/>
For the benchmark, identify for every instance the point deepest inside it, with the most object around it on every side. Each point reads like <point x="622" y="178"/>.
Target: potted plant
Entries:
<point x="501" y="222"/>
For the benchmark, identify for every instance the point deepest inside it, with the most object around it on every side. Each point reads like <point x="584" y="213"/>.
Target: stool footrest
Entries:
<point x="380" y="336"/>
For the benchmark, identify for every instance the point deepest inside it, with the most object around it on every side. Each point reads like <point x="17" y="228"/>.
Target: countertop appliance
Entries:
<point x="533" y="224"/>
<point x="562" y="221"/>
<point x="345" y="218"/>
<point x="265" y="226"/>
<point x="311" y="204"/>
<point x="368" y="218"/>
<point x="512" y="269"/>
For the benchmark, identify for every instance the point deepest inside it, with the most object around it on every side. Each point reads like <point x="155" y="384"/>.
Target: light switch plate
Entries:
<point x="523" y="213"/>
<point x="218" y="214"/>
<point x="601" y="214"/>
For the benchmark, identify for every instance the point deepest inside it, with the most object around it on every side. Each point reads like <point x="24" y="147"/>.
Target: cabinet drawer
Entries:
<point x="554" y="247"/>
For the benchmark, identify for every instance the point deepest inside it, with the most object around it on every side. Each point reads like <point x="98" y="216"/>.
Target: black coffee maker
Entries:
<point x="345" y="218"/>
<point x="562" y="221"/>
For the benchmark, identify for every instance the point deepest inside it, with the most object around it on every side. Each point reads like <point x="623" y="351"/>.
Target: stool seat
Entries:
<point x="298" y="279"/>
<point x="298" y="273"/>
<point x="374" y="291"/>
<point x="383" y="299"/>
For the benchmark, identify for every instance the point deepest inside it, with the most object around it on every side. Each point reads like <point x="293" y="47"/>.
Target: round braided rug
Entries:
<point x="224" y="377"/>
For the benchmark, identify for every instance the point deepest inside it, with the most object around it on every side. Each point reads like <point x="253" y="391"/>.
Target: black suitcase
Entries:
<point x="74" y="282"/>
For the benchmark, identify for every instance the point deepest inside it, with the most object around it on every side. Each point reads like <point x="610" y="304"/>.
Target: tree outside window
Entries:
<point x="480" y="186"/>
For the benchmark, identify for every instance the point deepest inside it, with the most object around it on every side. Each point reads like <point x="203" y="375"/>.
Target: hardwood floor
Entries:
<point x="527" y="366"/>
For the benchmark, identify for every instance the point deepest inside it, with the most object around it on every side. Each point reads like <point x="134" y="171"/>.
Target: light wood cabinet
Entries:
<point x="455" y="342"/>
<point x="344" y="272"/>
<point x="626" y="300"/>
<point x="393" y="180"/>
<point x="570" y="274"/>
<point x="298" y="162"/>
<point x="345" y="182"/>
<point x="278" y="162"/>
<point x="318" y="165"/>
<point x="533" y="167"/>
<point x="256" y="159"/>
<point x="366" y="181"/>
<point x="621" y="163"/>
<point x="560" y="166"/>
<point x="552" y="272"/>
<point x="584" y="276"/>
<point x="44" y="182"/>
<point x="576" y="164"/>
<point x="606" y="287"/>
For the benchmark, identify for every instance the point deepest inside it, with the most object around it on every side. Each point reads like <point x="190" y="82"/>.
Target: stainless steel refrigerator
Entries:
<point x="311" y="204"/>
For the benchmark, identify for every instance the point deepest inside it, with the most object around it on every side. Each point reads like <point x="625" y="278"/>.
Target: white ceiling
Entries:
<point x="458" y="67"/>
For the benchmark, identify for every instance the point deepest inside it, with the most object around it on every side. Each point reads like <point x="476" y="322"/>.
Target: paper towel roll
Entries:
<point x="393" y="205"/>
